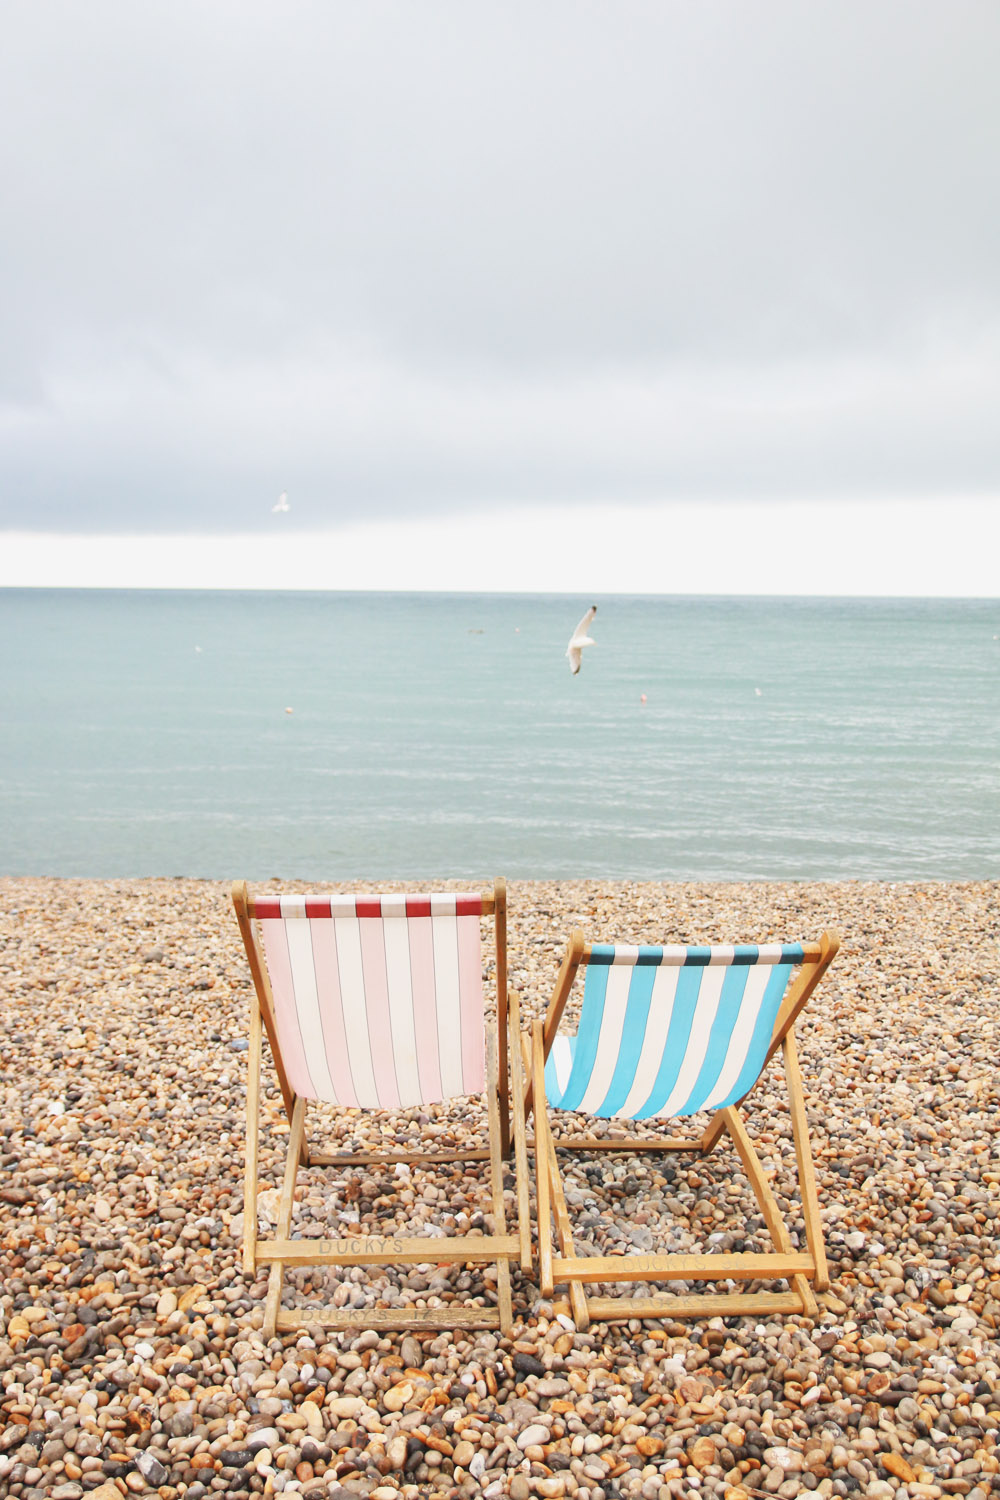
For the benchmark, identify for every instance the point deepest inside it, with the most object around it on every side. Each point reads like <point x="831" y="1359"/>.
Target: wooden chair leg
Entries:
<point x="804" y="1159"/>
<point x="296" y="1138"/>
<point x="520" y="1135"/>
<point x="577" y="1296"/>
<point x="713" y="1134"/>
<point x="543" y="1211"/>
<point x="768" y="1205"/>
<point x="252" y="1139"/>
<point x="503" y="1012"/>
<point x="496" y="1178"/>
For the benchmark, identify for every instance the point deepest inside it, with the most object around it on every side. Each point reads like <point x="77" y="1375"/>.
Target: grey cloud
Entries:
<point x="397" y="257"/>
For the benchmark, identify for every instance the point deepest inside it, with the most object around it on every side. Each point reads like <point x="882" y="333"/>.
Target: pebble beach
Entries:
<point x="131" y="1353"/>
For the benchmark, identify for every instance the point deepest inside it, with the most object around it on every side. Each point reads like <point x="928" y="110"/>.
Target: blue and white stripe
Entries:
<point x="667" y="1031"/>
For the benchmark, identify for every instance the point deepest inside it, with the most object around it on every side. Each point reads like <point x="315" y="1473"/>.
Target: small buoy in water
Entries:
<point x="198" y="649"/>
<point x="642" y="697"/>
<point x="289" y="710"/>
<point x="758" y="692"/>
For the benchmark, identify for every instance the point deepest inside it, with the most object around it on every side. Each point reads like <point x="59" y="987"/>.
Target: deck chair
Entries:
<point x="668" y="1032"/>
<point x="376" y="1003"/>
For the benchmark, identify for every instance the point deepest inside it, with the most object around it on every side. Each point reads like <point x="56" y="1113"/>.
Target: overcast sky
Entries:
<point x="416" y="260"/>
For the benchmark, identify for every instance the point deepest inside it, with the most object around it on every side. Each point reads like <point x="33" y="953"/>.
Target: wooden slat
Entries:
<point x="564" y="1232"/>
<point x="391" y="1317"/>
<point x="575" y="952"/>
<point x="714" y="1132"/>
<point x="520" y="1141"/>
<point x="635" y="1144"/>
<point x="804" y="1159"/>
<point x="496" y="1178"/>
<point x="373" y="1250"/>
<point x="758" y="1181"/>
<point x="746" y="1304"/>
<point x="389" y="1158"/>
<point x="542" y="1204"/>
<point x="253" y="1130"/>
<point x="797" y="996"/>
<point x="243" y="906"/>
<point x="295" y="1138"/>
<point x="487" y="898"/>
<point x="500" y="936"/>
<point x="553" y="1015"/>
<point x="776" y="1225"/>
<point x="741" y="1267"/>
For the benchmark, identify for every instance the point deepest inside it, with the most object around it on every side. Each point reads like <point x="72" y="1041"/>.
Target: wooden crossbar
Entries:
<point x="489" y="901"/>
<point x="389" y="1158"/>
<point x="704" y="1305"/>
<point x="742" y="1267"/>
<point x="372" y="1250"/>
<point x="392" y="1317"/>
<point x="633" y="1144"/>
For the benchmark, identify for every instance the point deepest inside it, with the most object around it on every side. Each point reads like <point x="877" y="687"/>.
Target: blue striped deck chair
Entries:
<point x="377" y="1002"/>
<point x="668" y="1032"/>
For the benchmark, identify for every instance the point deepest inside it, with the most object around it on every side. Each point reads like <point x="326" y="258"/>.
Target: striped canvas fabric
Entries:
<point x="378" y="999"/>
<point x="669" y="1030"/>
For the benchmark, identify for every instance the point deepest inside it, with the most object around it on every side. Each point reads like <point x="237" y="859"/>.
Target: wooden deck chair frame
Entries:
<point x="505" y="1117"/>
<point x="803" y="1270"/>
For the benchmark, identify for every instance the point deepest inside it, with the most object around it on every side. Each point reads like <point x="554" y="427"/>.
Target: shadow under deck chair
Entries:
<point x="667" y="1032"/>
<point x="376" y="1003"/>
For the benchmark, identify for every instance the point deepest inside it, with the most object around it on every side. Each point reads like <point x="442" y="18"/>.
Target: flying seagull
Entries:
<point x="282" y="504"/>
<point x="579" y="639"/>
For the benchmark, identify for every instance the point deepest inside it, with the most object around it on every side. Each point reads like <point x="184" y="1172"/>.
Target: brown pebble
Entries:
<point x="702" y="1453"/>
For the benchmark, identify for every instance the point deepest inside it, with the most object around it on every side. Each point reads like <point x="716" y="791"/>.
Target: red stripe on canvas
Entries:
<point x="468" y="906"/>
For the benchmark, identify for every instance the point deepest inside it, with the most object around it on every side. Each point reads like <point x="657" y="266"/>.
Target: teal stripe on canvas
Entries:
<point x="649" y="954"/>
<point x="678" y="1034"/>
<point x="601" y="953"/>
<point x="719" y="1037"/>
<point x="585" y="1052"/>
<point x="640" y="993"/>
<point x="762" y="1032"/>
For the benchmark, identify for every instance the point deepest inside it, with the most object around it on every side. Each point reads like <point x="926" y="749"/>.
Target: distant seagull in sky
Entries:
<point x="282" y="504"/>
<point x="579" y="639"/>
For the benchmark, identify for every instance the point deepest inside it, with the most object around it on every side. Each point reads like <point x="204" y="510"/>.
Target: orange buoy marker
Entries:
<point x="289" y="710"/>
<point x="642" y="697"/>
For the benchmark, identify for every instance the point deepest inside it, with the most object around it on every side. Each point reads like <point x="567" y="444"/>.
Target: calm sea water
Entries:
<point x="433" y="736"/>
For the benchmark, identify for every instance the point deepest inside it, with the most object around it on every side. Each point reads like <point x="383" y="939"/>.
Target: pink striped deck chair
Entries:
<point x="377" y="1003"/>
<point x="666" y="1032"/>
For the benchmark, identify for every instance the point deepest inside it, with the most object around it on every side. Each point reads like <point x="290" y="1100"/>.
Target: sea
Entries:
<point x="338" y="736"/>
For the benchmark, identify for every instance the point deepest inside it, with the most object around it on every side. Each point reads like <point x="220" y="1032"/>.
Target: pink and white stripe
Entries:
<point x="378" y="999"/>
